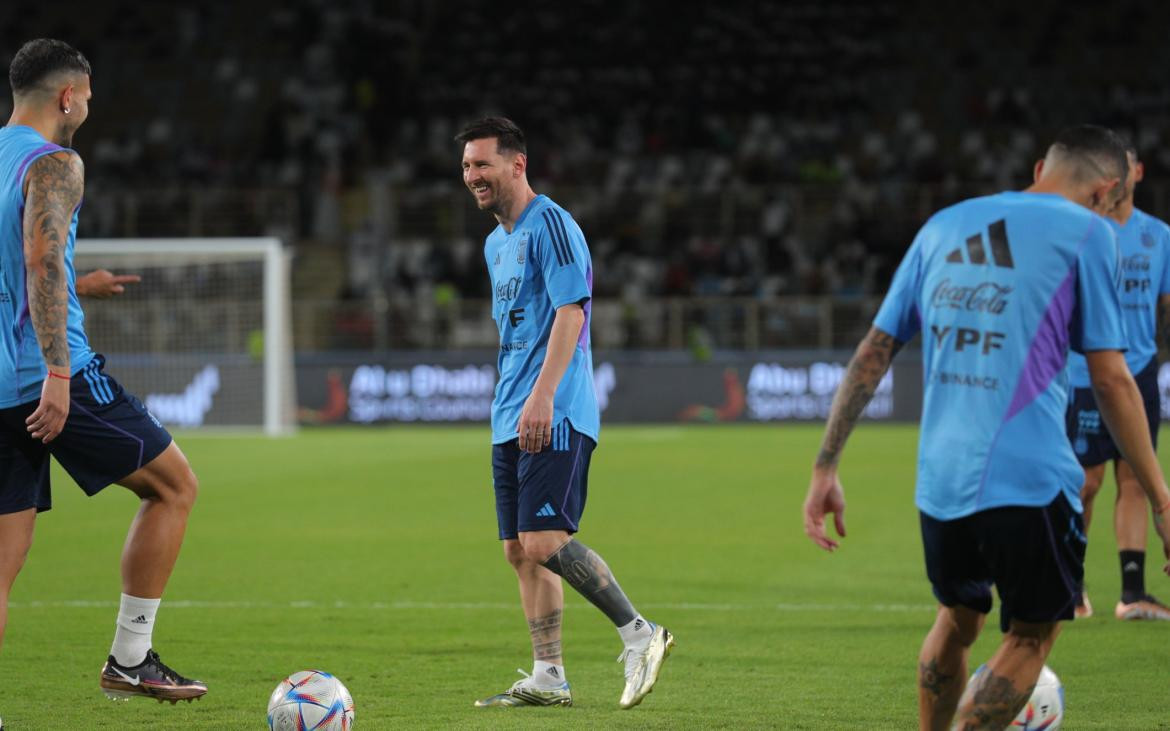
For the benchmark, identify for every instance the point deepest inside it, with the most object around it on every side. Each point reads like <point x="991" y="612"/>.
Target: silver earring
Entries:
<point x="67" y="110"/>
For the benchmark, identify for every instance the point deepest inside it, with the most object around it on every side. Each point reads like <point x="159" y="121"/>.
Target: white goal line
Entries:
<point x="473" y="606"/>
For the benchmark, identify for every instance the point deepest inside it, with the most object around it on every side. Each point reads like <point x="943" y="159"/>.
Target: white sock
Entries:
<point x="637" y="633"/>
<point x="133" y="634"/>
<point x="547" y="675"/>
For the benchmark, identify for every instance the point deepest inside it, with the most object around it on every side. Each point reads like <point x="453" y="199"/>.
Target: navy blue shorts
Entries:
<point x="542" y="491"/>
<point x="1035" y="557"/>
<point x="1091" y="440"/>
<point x="108" y="435"/>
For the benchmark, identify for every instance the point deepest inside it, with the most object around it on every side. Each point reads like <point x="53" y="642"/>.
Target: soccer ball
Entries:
<point x="310" y="700"/>
<point x="1045" y="709"/>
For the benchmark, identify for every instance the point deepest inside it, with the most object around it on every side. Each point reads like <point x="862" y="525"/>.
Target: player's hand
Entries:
<point x="825" y="495"/>
<point x="49" y="418"/>
<point x="1162" y="525"/>
<point x="536" y="423"/>
<point x="103" y="283"/>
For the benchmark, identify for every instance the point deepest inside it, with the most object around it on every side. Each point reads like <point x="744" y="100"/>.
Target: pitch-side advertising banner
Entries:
<point x="631" y="387"/>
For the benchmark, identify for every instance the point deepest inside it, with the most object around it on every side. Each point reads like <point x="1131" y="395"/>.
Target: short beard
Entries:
<point x="64" y="136"/>
<point x="499" y="206"/>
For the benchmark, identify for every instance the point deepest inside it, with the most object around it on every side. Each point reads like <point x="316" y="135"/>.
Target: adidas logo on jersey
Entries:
<point x="1001" y="252"/>
<point x="546" y="511"/>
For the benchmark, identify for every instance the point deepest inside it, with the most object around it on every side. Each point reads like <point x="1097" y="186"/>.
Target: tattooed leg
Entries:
<point x="546" y="637"/>
<point x="999" y="692"/>
<point x="942" y="665"/>
<point x="590" y="576"/>
<point x="543" y="599"/>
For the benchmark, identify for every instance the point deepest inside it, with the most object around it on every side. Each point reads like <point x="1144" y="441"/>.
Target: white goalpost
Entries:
<point x="204" y="339"/>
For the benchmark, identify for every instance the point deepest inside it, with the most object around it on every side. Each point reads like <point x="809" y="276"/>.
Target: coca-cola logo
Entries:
<point x="1136" y="263"/>
<point x="507" y="291"/>
<point x="986" y="297"/>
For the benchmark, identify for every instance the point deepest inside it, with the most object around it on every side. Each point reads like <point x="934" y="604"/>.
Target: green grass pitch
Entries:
<point x="372" y="554"/>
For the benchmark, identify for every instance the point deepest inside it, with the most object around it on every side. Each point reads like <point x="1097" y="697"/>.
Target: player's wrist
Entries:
<point x="543" y="392"/>
<point x="1162" y="509"/>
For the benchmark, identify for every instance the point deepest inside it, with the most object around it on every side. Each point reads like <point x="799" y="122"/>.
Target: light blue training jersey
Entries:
<point x="1145" y="276"/>
<point x="543" y="264"/>
<point x="1001" y="287"/>
<point x="22" y="367"/>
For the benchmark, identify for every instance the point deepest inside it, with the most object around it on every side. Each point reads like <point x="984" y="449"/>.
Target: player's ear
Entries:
<point x="1139" y="172"/>
<point x="519" y="164"/>
<point x="1104" y="196"/>
<point x="66" y="100"/>
<point x="1038" y="170"/>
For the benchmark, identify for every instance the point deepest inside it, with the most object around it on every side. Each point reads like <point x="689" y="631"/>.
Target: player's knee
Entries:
<point x="187" y="489"/>
<point x="1130" y="490"/>
<point x="1091" y="487"/>
<point x="514" y="554"/>
<point x="179" y="489"/>
<point x="16" y="550"/>
<point x="1031" y="637"/>
<point x="539" y="546"/>
<point x="962" y="624"/>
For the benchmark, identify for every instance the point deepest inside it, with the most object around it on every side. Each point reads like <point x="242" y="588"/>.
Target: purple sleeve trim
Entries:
<point x="42" y="150"/>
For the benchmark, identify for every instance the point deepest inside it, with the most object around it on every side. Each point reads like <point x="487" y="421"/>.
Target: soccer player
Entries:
<point x="545" y="419"/>
<point x="1145" y="292"/>
<point x="55" y="397"/>
<point x="1002" y="287"/>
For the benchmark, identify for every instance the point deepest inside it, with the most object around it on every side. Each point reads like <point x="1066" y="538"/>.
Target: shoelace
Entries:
<point x="521" y="681"/>
<point x="165" y="670"/>
<point x="630" y="653"/>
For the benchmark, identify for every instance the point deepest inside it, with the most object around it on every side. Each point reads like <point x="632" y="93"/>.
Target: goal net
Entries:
<point x="204" y="338"/>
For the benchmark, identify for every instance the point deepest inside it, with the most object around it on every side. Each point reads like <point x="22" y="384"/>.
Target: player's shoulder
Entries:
<point x="547" y="215"/>
<point x="542" y="203"/>
<point x="970" y="212"/>
<point x="58" y="170"/>
<point x="545" y="210"/>
<point x="1152" y="226"/>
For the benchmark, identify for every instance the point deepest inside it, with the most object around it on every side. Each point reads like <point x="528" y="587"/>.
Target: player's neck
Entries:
<point x="516" y="209"/>
<point x="1123" y="212"/>
<point x="1058" y="185"/>
<point x="24" y="117"/>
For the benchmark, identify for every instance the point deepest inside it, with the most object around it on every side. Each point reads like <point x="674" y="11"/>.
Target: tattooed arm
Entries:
<point x="866" y="370"/>
<point x="53" y="189"/>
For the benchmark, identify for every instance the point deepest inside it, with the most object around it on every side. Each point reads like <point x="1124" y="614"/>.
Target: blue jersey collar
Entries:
<point x="531" y="204"/>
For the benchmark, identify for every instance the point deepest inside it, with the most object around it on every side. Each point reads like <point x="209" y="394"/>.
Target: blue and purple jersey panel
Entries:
<point x="1001" y="288"/>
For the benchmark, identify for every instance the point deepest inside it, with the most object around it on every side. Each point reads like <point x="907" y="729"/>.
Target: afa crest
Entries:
<point x="522" y="248"/>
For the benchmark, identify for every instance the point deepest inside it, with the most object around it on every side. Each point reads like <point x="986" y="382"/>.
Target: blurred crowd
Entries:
<point x="746" y="148"/>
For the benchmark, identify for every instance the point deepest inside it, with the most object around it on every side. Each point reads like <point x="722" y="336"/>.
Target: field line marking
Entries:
<point x="471" y="606"/>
